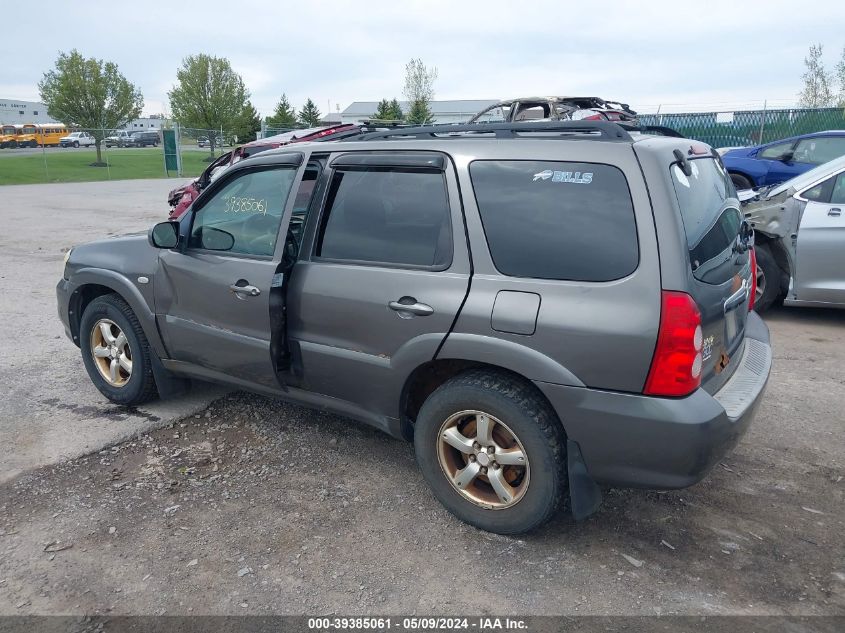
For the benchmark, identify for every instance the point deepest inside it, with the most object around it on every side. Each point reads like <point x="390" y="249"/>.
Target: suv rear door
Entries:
<point x="718" y="262"/>
<point x="381" y="276"/>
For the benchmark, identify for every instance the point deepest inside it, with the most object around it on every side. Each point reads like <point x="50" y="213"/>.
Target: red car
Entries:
<point x="182" y="197"/>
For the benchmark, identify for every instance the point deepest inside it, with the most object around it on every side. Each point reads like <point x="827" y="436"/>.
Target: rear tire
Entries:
<point x="124" y="335"/>
<point x="741" y="182"/>
<point x="768" y="279"/>
<point x="521" y="423"/>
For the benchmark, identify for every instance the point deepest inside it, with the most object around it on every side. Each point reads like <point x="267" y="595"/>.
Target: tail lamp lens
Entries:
<point x="677" y="363"/>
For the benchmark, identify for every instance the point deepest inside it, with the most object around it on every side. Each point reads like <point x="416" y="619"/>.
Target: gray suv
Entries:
<point x="544" y="309"/>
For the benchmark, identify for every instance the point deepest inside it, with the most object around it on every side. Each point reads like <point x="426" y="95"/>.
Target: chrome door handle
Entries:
<point x="420" y="309"/>
<point x="251" y="291"/>
<point x="835" y="212"/>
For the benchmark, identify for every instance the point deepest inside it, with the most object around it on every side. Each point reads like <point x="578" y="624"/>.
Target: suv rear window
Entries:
<point x="557" y="220"/>
<point x="707" y="200"/>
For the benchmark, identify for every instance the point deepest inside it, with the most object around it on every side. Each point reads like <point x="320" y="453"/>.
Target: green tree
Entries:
<point x="383" y="112"/>
<point x="309" y="115"/>
<point x="389" y="111"/>
<point x="91" y="94"/>
<point x="840" y="79"/>
<point x="420" y="113"/>
<point x="208" y="95"/>
<point x="816" y="92"/>
<point x="284" y="116"/>
<point x="247" y="125"/>
<point x="396" y="109"/>
<point x="419" y="90"/>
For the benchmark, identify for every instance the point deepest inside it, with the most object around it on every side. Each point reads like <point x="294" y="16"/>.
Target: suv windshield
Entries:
<point x="709" y="210"/>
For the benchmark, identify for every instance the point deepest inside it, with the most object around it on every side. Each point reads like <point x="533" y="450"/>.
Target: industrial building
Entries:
<point x="20" y="111"/>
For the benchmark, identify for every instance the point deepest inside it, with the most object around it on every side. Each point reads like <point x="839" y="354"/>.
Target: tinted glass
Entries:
<point x="821" y="192"/>
<point x="819" y="150"/>
<point x="249" y="208"/>
<point x="838" y="196"/>
<point x="707" y="200"/>
<point x="774" y="152"/>
<point x="555" y="220"/>
<point x="387" y="215"/>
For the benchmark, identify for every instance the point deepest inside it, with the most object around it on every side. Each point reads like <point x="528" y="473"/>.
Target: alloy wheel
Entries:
<point x="483" y="459"/>
<point x="111" y="352"/>
<point x="760" y="287"/>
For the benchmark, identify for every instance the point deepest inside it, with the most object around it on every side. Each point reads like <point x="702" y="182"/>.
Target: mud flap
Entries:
<point x="168" y="384"/>
<point x="584" y="493"/>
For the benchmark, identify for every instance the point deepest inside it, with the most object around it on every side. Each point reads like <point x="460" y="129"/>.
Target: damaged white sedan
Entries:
<point x="800" y="238"/>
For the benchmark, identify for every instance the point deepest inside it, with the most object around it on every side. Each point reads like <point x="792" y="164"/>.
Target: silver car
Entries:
<point x="800" y="238"/>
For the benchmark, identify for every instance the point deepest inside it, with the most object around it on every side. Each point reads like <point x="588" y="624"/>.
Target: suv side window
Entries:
<point x="248" y="208"/>
<point x="557" y="220"/>
<point x="773" y="152"/>
<point x="389" y="216"/>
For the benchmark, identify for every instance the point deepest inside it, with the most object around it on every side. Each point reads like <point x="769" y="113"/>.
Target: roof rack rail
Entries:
<point x="604" y="130"/>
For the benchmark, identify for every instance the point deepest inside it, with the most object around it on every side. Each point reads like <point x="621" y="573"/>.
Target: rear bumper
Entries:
<point x="632" y="440"/>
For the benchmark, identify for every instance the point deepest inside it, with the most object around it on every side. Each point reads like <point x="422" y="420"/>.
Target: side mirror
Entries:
<point x="164" y="235"/>
<point x="786" y="156"/>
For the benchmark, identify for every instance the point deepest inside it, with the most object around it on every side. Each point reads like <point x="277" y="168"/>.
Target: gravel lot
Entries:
<point x="50" y="410"/>
<point x="253" y="506"/>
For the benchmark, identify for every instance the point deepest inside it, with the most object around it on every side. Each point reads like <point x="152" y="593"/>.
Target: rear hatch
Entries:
<point x="719" y="261"/>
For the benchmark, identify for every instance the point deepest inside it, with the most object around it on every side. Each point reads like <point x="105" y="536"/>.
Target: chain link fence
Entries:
<point x="55" y="153"/>
<point x="749" y="127"/>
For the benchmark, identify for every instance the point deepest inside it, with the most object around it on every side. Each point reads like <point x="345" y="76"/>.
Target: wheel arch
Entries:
<point x="426" y="378"/>
<point x="740" y="172"/>
<point x="778" y="251"/>
<point x="92" y="283"/>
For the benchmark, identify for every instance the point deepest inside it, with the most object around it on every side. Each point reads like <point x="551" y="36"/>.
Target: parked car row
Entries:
<point x="775" y="162"/>
<point x="204" y="141"/>
<point x="128" y="138"/>
<point x="458" y="286"/>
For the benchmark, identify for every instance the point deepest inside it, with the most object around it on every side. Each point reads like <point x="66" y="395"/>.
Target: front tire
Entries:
<point x="741" y="182"/>
<point x="115" y="351"/>
<point x="768" y="279"/>
<point x="76" y="144"/>
<point x="493" y="452"/>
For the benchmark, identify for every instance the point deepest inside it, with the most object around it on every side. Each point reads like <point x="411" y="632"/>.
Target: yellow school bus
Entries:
<point x="8" y="136"/>
<point x="50" y="133"/>
<point x="35" y="134"/>
<point x="28" y="134"/>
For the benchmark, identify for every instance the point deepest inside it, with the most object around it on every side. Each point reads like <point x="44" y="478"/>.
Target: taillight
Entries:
<point x="753" y="294"/>
<point x="676" y="365"/>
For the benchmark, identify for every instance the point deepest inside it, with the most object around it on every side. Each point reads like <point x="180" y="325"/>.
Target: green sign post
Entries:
<point x="172" y="159"/>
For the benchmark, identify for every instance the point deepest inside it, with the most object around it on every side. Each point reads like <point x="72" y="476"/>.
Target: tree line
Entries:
<point x="208" y="95"/>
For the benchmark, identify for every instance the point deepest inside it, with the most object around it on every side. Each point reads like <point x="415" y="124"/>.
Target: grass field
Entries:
<point x="73" y="165"/>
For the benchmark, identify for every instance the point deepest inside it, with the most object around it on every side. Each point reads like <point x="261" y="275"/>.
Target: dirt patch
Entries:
<point x="262" y="507"/>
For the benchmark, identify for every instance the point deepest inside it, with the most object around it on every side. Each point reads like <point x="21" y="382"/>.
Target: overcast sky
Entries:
<point x="685" y="54"/>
